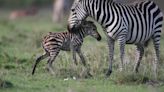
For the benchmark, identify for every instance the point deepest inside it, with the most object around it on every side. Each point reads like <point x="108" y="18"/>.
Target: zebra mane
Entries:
<point x="86" y="22"/>
<point x="82" y="26"/>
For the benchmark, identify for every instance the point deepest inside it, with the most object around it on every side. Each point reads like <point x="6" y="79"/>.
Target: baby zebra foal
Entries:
<point x="54" y="42"/>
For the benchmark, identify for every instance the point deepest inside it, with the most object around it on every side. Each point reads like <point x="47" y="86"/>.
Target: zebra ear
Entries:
<point x="87" y="22"/>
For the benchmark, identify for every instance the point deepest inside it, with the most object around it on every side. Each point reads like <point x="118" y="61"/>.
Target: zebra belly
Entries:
<point x="65" y="49"/>
<point x="65" y="46"/>
<point x="137" y="37"/>
<point x="138" y="31"/>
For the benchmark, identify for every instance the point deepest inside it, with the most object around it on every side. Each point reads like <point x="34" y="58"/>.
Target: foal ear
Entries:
<point x="84" y="22"/>
<point x="87" y="23"/>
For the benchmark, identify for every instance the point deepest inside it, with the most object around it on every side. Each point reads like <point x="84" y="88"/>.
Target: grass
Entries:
<point x="42" y="83"/>
<point x="20" y="45"/>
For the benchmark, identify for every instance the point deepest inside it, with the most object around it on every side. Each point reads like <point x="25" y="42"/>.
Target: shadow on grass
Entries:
<point x="5" y="84"/>
<point x="136" y="79"/>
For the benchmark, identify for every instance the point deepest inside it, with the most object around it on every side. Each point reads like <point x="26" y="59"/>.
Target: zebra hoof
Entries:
<point x="108" y="73"/>
<point x="32" y="72"/>
<point x="135" y="70"/>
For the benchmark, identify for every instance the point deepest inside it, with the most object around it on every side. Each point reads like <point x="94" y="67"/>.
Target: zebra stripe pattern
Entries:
<point x="54" y="42"/>
<point x="131" y="24"/>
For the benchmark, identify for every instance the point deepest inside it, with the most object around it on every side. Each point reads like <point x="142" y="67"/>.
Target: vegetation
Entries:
<point x="20" y="45"/>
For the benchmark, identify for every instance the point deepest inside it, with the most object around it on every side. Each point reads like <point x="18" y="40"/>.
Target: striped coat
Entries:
<point x="54" y="42"/>
<point x="129" y="24"/>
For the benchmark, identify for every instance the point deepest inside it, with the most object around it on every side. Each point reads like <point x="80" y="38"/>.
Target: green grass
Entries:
<point x="44" y="83"/>
<point x="20" y="44"/>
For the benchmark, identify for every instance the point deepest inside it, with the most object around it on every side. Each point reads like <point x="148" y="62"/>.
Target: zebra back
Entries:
<point x="138" y="22"/>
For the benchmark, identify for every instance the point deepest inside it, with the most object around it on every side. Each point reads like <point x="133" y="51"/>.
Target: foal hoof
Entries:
<point x="135" y="70"/>
<point x="89" y="75"/>
<point x="76" y="63"/>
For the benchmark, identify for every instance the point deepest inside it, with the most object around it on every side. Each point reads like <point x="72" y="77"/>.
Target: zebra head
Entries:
<point x="77" y="15"/>
<point x="90" y="29"/>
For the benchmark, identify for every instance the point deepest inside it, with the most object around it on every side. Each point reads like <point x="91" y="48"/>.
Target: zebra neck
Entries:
<point x="81" y="33"/>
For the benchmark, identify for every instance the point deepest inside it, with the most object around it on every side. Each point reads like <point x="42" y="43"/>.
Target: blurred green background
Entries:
<point x="24" y="3"/>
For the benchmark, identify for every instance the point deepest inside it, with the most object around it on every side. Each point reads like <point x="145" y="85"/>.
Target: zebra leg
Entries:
<point x="122" y="41"/>
<point x="81" y="56"/>
<point x="38" y="60"/>
<point x="156" y="42"/>
<point x="50" y="61"/>
<point x="139" y="53"/>
<point x="111" y="53"/>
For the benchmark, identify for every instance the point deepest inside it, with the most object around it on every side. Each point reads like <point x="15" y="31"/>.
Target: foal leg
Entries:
<point x="52" y="58"/>
<point x="74" y="57"/>
<point x="81" y="56"/>
<point x="38" y="60"/>
<point x="84" y="62"/>
<point x="73" y="53"/>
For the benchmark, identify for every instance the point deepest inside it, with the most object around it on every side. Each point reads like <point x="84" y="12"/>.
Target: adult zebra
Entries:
<point x="131" y="24"/>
